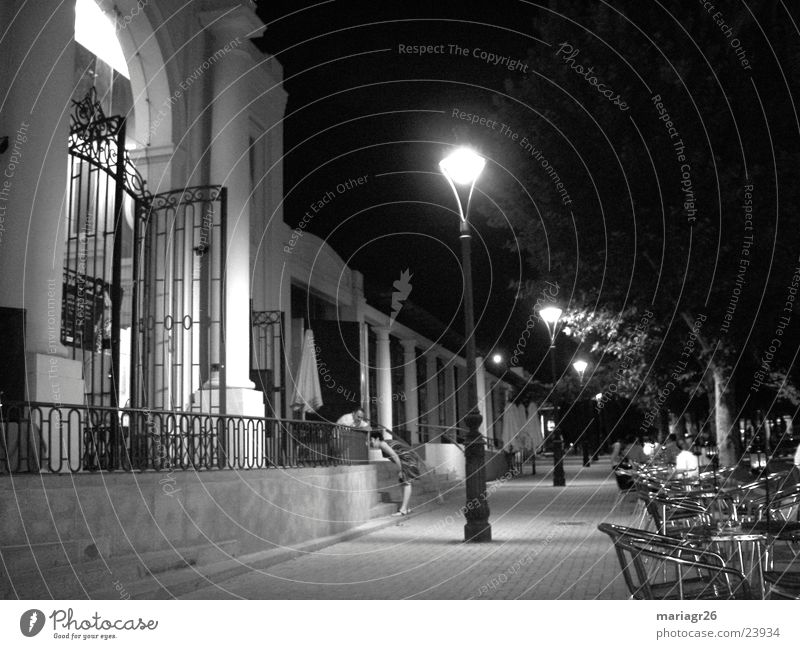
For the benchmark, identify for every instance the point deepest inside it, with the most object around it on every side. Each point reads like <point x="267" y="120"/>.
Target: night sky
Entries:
<point x="362" y="104"/>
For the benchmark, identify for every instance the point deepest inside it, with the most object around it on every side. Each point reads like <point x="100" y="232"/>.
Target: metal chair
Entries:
<point x="673" y="516"/>
<point x="782" y="585"/>
<point x="659" y="567"/>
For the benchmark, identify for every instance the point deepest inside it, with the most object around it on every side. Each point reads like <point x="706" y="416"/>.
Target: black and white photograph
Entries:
<point x="354" y="301"/>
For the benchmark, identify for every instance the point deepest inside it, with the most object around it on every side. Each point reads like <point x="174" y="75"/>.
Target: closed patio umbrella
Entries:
<point x="511" y="426"/>
<point x="530" y="425"/>
<point x="307" y="395"/>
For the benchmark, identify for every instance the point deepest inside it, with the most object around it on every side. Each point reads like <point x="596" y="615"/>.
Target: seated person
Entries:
<point x="634" y="451"/>
<point x="686" y="464"/>
<point x="616" y="453"/>
<point x="668" y="453"/>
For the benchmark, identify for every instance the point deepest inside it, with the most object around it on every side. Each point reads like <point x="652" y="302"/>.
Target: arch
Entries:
<point x="147" y="69"/>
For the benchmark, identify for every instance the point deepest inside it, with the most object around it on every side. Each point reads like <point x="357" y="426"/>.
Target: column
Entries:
<point x="384" y="374"/>
<point x="480" y="370"/>
<point x="230" y="166"/>
<point x="450" y="396"/>
<point x="33" y="178"/>
<point x="37" y="77"/>
<point x="410" y="396"/>
<point x="432" y="386"/>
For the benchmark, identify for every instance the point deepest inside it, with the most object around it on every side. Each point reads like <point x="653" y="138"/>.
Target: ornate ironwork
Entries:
<point x="96" y="138"/>
<point x="186" y="196"/>
<point x="42" y="437"/>
<point x="179" y="358"/>
<point x="88" y="121"/>
<point x="266" y="318"/>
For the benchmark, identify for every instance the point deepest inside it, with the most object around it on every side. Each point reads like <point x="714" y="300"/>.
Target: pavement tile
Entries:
<point x="545" y="546"/>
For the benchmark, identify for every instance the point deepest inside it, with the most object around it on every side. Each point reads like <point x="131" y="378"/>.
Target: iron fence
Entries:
<point x="45" y="437"/>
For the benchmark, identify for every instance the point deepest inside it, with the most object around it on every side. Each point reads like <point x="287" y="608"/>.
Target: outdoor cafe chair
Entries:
<point x="673" y="515"/>
<point x="784" y="505"/>
<point x="657" y="567"/>
<point x="782" y="585"/>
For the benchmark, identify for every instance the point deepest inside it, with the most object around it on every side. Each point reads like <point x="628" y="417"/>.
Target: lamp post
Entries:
<point x="580" y="367"/>
<point x="759" y="462"/>
<point x="551" y="315"/>
<point x="462" y="168"/>
<point x="598" y="398"/>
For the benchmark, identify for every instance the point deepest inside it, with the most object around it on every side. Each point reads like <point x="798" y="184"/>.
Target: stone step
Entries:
<point x="46" y="556"/>
<point x="386" y="508"/>
<point x="110" y="575"/>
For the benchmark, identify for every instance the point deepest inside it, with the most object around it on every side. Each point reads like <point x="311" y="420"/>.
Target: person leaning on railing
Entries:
<point x="353" y="419"/>
<point x="403" y="457"/>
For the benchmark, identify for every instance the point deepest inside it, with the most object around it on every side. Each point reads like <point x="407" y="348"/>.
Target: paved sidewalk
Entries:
<point x="545" y="546"/>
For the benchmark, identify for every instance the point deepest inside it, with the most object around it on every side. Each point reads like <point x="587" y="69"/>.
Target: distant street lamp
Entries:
<point x="551" y="315"/>
<point x="462" y="167"/>
<point x="580" y="368"/>
<point x="759" y="465"/>
<point x="497" y="359"/>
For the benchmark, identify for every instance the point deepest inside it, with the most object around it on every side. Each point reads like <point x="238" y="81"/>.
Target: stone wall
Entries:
<point x="76" y="517"/>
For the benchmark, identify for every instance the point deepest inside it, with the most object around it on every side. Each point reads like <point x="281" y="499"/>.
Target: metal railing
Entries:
<point x="44" y="437"/>
<point x="442" y="434"/>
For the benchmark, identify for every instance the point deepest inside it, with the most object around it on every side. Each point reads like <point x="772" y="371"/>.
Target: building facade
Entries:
<point x="145" y="260"/>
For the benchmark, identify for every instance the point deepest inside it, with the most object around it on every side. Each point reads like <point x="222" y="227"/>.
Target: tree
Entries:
<point x="648" y="177"/>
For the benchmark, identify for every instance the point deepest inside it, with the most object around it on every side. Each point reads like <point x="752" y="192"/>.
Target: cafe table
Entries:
<point x="749" y="544"/>
<point x="735" y="542"/>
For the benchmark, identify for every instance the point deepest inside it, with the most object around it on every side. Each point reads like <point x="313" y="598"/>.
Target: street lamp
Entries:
<point x="551" y="315"/>
<point x="462" y="168"/>
<point x="497" y="359"/>
<point x="580" y="367"/>
<point x="599" y="427"/>
<point x="759" y="462"/>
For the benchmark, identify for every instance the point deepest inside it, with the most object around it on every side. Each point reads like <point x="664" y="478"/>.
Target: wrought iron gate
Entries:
<point x="267" y="359"/>
<point x="180" y="301"/>
<point x="143" y="294"/>
<point x="106" y="196"/>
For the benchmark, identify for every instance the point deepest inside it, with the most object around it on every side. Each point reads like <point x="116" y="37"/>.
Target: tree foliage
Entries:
<point x="680" y="205"/>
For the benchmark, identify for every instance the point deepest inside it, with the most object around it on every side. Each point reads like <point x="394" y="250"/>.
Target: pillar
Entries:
<point x="432" y="386"/>
<point x="230" y="166"/>
<point x="384" y="375"/>
<point x="410" y="395"/>
<point x="483" y="408"/>
<point x="38" y="76"/>
<point x="450" y="396"/>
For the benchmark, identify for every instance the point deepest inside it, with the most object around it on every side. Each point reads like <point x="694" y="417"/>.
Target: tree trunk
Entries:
<point x="678" y="425"/>
<point x="663" y="425"/>
<point x="728" y="440"/>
